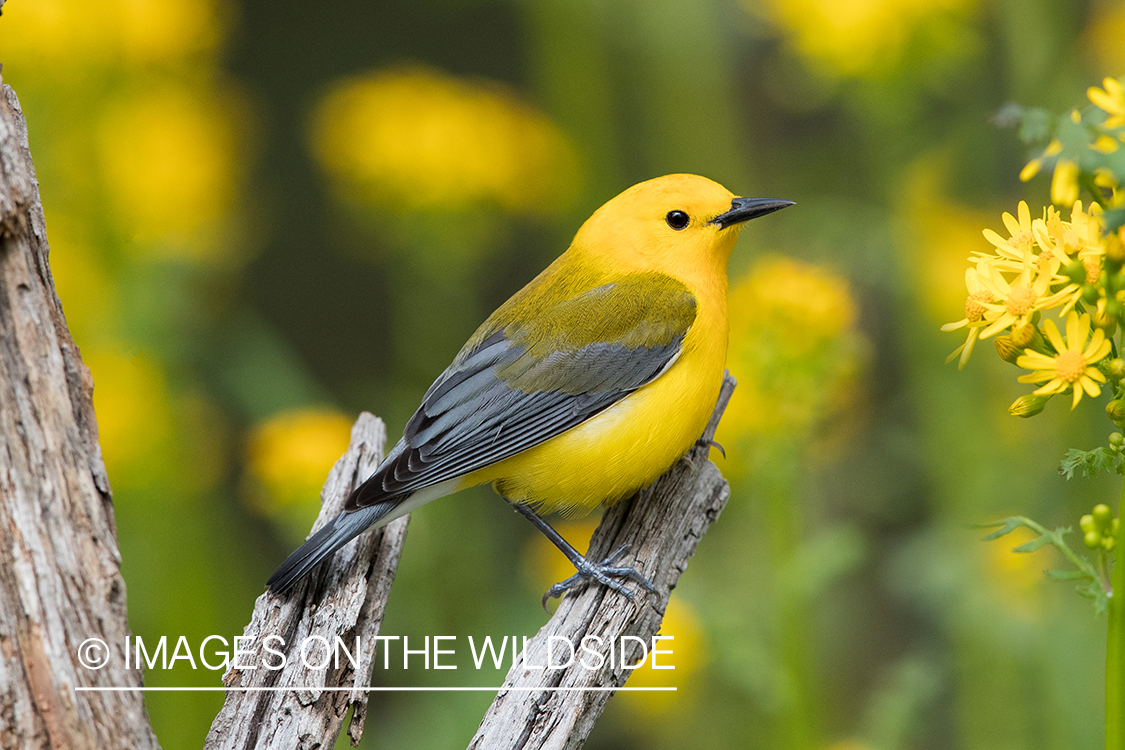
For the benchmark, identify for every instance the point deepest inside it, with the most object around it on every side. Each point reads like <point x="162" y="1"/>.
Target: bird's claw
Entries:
<point x="605" y="573"/>
<point x="705" y="443"/>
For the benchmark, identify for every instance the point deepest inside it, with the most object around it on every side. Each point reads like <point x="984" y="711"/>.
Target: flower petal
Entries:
<point x="1033" y="360"/>
<point x="1051" y="331"/>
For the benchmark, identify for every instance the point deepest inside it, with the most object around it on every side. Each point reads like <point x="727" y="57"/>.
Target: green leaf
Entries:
<point x="1007" y="526"/>
<point x="1036" y="125"/>
<point x="1088" y="579"/>
<point x="1034" y="544"/>
<point x="1114" y="218"/>
<point x="1065" y="575"/>
<point x="1090" y="463"/>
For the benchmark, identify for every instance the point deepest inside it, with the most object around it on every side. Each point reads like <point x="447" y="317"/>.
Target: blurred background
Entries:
<point x="266" y="217"/>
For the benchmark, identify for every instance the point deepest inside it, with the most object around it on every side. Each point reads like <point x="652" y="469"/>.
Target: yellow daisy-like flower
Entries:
<point x="974" y="317"/>
<point x="1014" y="302"/>
<point x="1111" y="100"/>
<point x="1073" y="365"/>
<point x="1080" y="238"/>
<point x="1021" y="241"/>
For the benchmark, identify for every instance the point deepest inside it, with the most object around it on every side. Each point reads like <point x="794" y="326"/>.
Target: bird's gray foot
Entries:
<point x="607" y="573"/>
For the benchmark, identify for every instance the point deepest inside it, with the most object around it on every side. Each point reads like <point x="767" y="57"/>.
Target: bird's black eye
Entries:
<point x="677" y="219"/>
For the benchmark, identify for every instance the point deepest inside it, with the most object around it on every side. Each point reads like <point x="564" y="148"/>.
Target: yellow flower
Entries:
<point x="793" y="348"/>
<point x="1064" y="184"/>
<point x="857" y="38"/>
<point x="171" y="166"/>
<point x="1111" y="101"/>
<point x="974" y="316"/>
<point x="1021" y="240"/>
<point x="291" y="453"/>
<point x="417" y="138"/>
<point x="1014" y="302"/>
<point x="1072" y="366"/>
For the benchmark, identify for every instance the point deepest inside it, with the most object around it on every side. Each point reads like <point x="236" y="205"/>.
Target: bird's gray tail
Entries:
<point x="329" y="538"/>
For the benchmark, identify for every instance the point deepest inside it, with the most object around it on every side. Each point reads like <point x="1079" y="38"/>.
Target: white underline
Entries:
<point x="402" y="689"/>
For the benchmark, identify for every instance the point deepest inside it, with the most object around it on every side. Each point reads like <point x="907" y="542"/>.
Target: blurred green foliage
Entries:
<point x="266" y="217"/>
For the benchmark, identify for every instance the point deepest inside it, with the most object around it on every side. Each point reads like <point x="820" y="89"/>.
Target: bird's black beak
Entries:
<point x="745" y="209"/>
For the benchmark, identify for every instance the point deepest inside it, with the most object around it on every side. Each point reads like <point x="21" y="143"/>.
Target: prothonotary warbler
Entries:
<point x="582" y="388"/>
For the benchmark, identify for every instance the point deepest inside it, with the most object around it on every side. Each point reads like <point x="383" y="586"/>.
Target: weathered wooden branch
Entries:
<point x="343" y="599"/>
<point x="60" y="577"/>
<point x="662" y="526"/>
<point x="553" y="708"/>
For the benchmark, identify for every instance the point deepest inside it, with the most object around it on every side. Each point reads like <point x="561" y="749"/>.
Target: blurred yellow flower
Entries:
<point x="291" y="453"/>
<point x="420" y="139"/>
<point x="1015" y="576"/>
<point x="135" y="420"/>
<point x="1064" y="183"/>
<point x="793" y="348"/>
<point x="1111" y="101"/>
<point x="857" y="37"/>
<point x="168" y="156"/>
<point x="688" y="647"/>
<point x="67" y="34"/>
<point x="1103" y="36"/>
<point x="1073" y="365"/>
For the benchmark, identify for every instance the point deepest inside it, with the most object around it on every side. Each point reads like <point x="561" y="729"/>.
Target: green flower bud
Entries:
<point x="1007" y="350"/>
<point x="1109" y="542"/>
<point x="1092" y="539"/>
<point x="1115" y="368"/>
<point x="1103" y="516"/>
<point x="1114" y="309"/>
<point x="1115" y="410"/>
<point x="1023" y="335"/>
<point x="1028" y="406"/>
<point x="1086" y="523"/>
<point x="1089" y="294"/>
<point x="1106" y="322"/>
<point x="1075" y="271"/>
<point x="1116" y="439"/>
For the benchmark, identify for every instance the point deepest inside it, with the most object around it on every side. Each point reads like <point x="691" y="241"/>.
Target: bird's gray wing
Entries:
<point x="526" y="382"/>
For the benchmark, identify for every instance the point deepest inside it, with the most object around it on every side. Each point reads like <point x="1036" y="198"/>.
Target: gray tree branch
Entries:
<point x="554" y="708"/>
<point x="60" y="577"/>
<point x="343" y="599"/>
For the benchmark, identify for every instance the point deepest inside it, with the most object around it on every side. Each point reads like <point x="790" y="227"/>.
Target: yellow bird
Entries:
<point x="582" y="388"/>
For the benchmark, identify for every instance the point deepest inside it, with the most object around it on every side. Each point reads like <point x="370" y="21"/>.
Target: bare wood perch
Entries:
<point x="60" y="577"/>
<point x="662" y="526"/>
<point x="344" y="598"/>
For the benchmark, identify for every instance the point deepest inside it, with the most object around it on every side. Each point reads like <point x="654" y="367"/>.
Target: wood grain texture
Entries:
<point x="60" y="578"/>
<point x="662" y="526"/>
<point x="345" y="598"/>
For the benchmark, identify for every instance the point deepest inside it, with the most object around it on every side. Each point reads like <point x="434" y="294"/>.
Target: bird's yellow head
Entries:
<point x="678" y="221"/>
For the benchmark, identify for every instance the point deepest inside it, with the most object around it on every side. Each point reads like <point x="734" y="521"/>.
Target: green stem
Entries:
<point x="1115" y="648"/>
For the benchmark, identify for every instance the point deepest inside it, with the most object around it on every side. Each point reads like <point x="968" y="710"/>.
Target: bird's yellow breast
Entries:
<point x="630" y="444"/>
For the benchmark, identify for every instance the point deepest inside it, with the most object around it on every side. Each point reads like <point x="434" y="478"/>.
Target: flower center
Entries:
<point x="1069" y="365"/>
<point x="974" y="310"/>
<point x="1022" y="240"/>
<point x="1093" y="268"/>
<point x="1021" y="300"/>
